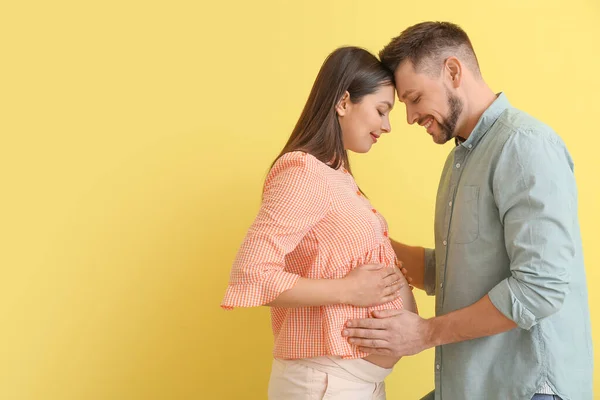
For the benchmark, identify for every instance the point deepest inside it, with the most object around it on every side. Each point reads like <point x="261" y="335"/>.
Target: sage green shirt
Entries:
<point x="506" y="225"/>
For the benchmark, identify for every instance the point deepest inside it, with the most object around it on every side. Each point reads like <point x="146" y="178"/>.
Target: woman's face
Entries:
<point x="364" y="122"/>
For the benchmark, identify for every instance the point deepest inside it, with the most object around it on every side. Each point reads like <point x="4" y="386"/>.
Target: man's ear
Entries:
<point x="453" y="70"/>
<point x="342" y="105"/>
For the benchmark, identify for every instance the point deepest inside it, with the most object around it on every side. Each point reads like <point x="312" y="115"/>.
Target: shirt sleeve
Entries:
<point x="429" y="275"/>
<point x="295" y="198"/>
<point x="534" y="189"/>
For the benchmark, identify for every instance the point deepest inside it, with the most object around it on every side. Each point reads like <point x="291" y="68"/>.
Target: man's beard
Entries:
<point x="448" y="125"/>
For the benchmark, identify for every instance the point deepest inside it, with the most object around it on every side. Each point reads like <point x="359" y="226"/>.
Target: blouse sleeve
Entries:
<point x="295" y="198"/>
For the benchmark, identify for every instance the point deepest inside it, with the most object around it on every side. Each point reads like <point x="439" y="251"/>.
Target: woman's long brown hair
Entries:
<point x="318" y="132"/>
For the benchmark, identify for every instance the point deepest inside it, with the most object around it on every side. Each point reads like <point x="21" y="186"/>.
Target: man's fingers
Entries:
<point x="372" y="350"/>
<point x="357" y="333"/>
<point x="374" y="343"/>
<point x="371" y="267"/>
<point x="384" y="314"/>
<point x="366" y="323"/>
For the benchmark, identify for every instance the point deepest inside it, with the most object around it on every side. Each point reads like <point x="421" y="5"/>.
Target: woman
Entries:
<point x="318" y="253"/>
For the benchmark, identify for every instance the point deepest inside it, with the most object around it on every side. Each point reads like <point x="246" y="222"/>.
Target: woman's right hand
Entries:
<point x="372" y="285"/>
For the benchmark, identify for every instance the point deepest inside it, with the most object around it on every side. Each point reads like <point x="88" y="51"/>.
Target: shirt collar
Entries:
<point x="487" y="119"/>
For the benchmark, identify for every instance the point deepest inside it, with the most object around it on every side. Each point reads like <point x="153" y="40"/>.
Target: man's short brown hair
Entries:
<point x="427" y="45"/>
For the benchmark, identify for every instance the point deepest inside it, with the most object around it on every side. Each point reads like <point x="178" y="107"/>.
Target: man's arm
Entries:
<point x="478" y="320"/>
<point x="534" y="189"/>
<point x="400" y="333"/>
<point x="418" y="264"/>
<point x="535" y="201"/>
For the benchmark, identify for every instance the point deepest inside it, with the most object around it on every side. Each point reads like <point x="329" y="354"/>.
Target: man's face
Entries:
<point x="429" y="101"/>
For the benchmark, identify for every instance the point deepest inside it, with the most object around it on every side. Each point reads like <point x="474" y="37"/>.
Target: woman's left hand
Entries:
<point x="404" y="272"/>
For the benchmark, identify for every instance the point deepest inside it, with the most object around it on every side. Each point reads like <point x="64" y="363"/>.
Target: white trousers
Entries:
<point x="327" y="378"/>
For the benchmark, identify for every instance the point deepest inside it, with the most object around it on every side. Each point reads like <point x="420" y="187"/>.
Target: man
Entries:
<point x="507" y="270"/>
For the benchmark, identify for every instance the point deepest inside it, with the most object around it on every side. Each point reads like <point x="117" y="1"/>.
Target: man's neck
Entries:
<point x="479" y="99"/>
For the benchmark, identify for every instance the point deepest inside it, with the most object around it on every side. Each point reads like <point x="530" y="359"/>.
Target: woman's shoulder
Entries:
<point x="298" y="167"/>
<point x="300" y="161"/>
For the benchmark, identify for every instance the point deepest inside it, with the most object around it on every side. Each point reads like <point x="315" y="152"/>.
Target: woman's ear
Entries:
<point x="342" y="105"/>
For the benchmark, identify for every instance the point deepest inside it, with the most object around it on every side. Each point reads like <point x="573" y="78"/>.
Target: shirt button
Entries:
<point x="470" y="146"/>
<point x="437" y="366"/>
<point x="441" y="285"/>
<point x="450" y="204"/>
<point x="445" y="243"/>
<point x="374" y="211"/>
<point x="457" y="165"/>
<point x="358" y="193"/>
<point x="385" y="234"/>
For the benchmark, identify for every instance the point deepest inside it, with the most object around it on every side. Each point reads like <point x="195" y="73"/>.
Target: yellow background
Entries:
<point x="134" y="139"/>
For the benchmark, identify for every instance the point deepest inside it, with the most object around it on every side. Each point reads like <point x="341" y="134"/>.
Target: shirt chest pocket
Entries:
<point x="465" y="216"/>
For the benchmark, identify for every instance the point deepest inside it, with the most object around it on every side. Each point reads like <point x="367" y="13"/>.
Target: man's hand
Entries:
<point x="400" y="333"/>
<point x="391" y="333"/>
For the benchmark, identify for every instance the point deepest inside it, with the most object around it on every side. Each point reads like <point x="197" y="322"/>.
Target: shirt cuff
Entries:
<point x="429" y="275"/>
<point x="507" y="303"/>
<point x="258" y="293"/>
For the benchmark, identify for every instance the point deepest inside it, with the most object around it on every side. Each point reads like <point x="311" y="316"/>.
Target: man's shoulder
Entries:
<point x="521" y="126"/>
<point x="520" y="136"/>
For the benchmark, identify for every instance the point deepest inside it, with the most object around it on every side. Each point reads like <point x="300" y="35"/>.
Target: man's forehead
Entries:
<point x="406" y="67"/>
<point x="404" y="74"/>
<point x="408" y="80"/>
<point x="406" y="85"/>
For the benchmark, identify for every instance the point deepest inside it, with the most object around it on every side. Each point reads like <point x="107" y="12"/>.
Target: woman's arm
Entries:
<point x="367" y="285"/>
